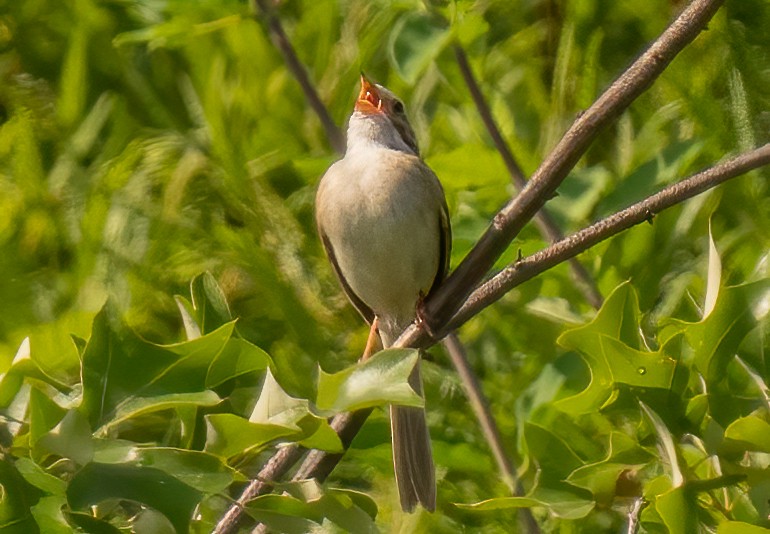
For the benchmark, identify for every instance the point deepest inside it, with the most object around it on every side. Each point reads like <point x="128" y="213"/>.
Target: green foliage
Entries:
<point x="143" y="143"/>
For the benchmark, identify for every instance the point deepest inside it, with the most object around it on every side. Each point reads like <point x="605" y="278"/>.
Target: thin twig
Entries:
<point x="571" y="246"/>
<point x="295" y="66"/>
<point x="480" y="406"/>
<point x="274" y="469"/>
<point x="545" y="223"/>
<point x="511" y="219"/>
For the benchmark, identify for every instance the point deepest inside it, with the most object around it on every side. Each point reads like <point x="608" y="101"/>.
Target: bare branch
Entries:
<point x="512" y="218"/>
<point x="547" y="226"/>
<point x="527" y="268"/>
<point x="274" y="469"/>
<point x="480" y="406"/>
<point x="295" y="66"/>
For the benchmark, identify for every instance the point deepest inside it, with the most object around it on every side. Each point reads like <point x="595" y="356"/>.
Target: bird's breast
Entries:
<point x="383" y="226"/>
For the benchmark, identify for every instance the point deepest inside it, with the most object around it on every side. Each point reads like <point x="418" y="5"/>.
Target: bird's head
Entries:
<point x="375" y="103"/>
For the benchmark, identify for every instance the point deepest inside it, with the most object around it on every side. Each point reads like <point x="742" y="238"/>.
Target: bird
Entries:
<point x="383" y="220"/>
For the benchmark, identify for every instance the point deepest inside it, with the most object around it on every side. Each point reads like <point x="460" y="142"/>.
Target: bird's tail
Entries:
<point x="412" y="455"/>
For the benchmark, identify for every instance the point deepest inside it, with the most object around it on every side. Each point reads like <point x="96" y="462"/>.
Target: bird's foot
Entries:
<point x="422" y="316"/>
<point x="373" y="341"/>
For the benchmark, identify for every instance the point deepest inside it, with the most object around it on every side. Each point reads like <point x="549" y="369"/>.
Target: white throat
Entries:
<point x="367" y="130"/>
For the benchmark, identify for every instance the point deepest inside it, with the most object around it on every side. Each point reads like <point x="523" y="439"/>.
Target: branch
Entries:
<point x="547" y="226"/>
<point x="480" y="406"/>
<point x="274" y="469"/>
<point x="512" y="218"/>
<point x="282" y="43"/>
<point x="529" y="267"/>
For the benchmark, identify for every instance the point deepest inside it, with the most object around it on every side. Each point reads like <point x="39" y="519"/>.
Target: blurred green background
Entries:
<point x="145" y="141"/>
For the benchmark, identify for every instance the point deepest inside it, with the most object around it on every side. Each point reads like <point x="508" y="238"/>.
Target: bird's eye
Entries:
<point x="398" y="107"/>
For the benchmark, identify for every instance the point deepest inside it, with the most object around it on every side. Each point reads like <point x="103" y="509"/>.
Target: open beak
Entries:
<point x="369" y="98"/>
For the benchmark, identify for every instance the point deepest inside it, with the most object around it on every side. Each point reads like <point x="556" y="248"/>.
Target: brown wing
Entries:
<point x="445" y="246"/>
<point x="362" y="308"/>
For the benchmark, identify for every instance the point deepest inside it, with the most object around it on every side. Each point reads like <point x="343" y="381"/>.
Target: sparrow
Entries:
<point x="383" y="220"/>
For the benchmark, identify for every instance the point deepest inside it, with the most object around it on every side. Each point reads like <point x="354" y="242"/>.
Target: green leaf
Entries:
<point x="747" y="433"/>
<point x="191" y="327"/>
<point x="49" y="516"/>
<point x="713" y="277"/>
<point x="96" y="483"/>
<point x="637" y="368"/>
<point x="739" y="527"/>
<point x="118" y="366"/>
<point x="71" y="438"/>
<point x="283" y="513"/>
<point x="308" y="504"/>
<point x="323" y="437"/>
<point x="565" y="502"/>
<point x="136" y="406"/>
<point x="554" y="457"/>
<point x="237" y="358"/>
<point x="200" y="470"/>
<point x="38" y="477"/>
<point x="677" y="509"/>
<point x="610" y="344"/>
<point x="716" y="338"/>
<point x="276" y="407"/>
<point x="44" y="414"/>
<point x="209" y="303"/>
<point x="22" y="367"/>
<point x="667" y="445"/>
<point x="16" y="498"/>
<point x="415" y="41"/>
<point x="382" y="379"/>
<point x="228" y="434"/>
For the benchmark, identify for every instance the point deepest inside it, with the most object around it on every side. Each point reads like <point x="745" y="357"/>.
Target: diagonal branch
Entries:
<point x="571" y="246"/>
<point x="543" y="220"/>
<point x="512" y="218"/>
<point x="282" y="43"/>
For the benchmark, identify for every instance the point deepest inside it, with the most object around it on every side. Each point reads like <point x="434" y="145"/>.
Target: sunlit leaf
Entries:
<point x="713" y="277"/>
<point x="49" y="516"/>
<point x="38" y="477"/>
<point x="667" y="444"/>
<point x="748" y="433"/>
<point x="209" y="302"/>
<point x="71" y="438"/>
<point x="238" y="357"/>
<point x="560" y="502"/>
<point x="228" y="434"/>
<point x="677" y="510"/>
<point x="739" y="527"/>
<point x="381" y="379"/>
<point x="276" y="407"/>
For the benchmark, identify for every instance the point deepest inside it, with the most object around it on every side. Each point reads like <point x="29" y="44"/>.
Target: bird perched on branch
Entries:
<point x="383" y="220"/>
